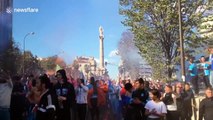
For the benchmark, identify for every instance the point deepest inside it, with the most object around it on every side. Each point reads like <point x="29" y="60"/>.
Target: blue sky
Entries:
<point x="70" y="26"/>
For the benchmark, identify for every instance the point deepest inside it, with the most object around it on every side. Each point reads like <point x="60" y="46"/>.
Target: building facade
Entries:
<point x="86" y="65"/>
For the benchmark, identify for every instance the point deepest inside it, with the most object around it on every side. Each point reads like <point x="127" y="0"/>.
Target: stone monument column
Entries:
<point x="101" y="38"/>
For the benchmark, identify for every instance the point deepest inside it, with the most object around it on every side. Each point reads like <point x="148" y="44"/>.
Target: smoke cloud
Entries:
<point x="129" y="55"/>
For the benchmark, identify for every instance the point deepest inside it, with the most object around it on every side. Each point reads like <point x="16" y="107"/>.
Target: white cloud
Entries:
<point x="113" y="53"/>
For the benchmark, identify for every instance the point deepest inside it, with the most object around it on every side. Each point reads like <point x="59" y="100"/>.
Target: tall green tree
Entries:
<point x="32" y="64"/>
<point x="10" y="59"/>
<point x="155" y="26"/>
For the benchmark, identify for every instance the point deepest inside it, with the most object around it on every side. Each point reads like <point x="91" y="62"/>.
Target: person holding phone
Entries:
<point x="66" y="96"/>
<point x="155" y="108"/>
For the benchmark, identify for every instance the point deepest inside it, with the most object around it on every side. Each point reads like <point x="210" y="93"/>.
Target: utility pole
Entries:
<point x="181" y="42"/>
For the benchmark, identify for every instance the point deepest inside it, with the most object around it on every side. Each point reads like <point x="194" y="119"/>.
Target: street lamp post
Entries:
<point x="30" y="33"/>
<point x="181" y="42"/>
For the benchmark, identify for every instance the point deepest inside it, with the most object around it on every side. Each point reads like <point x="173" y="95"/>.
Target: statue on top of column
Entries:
<point x="101" y="31"/>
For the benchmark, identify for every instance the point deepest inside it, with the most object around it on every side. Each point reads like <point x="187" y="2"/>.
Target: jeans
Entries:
<point x="82" y="110"/>
<point x="95" y="109"/>
<point x="4" y="113"/>
<point x="172" y="115"/>
<point x="194" y="82"/>
<point x="206" y="81"/>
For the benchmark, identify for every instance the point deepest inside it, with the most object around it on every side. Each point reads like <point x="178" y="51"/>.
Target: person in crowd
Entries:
<point x="66" y="96"/>
<point x="113" y="99"/>
<point x="147" y="86"/>
<point x="139" y="98"/>
<point x="18" y="111"/>
<point x="30" y="79"/>
<point x="53" y="80"/>
<point x="126" y="96"/>
<point x="210" y="62"/>
<point x="179" y="100"/>
<point x="6" y="87"/>
<point x="95" y="99"/>
<point x="155" y="108"/>
<point x="204" y="68"/>
<point x="104" y="109"/>
<point x="32" y="96"/>
<point x="46" y="107"/>
<point x="121" y="88"/>
<point x="103" y="85"/>
<point x="206" y="106"/>
<point x="169" y="99"/>
<point x="188" y="102"/>
<point x="81" y="99"/>
<point x="193" y="75"/>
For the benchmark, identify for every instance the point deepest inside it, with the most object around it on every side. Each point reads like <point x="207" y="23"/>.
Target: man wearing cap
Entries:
<point x="210" y="49"/>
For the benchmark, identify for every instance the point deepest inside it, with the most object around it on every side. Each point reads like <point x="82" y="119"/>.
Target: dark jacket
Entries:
<point x="66" y="90"/>
<point x="47" y="107"/>
<point x="206" y="108"/>
<point x="138" y="111"/>
<point x="179" y="101"/>
<point x="142" y="95"/>
<point x="188" y="96"/>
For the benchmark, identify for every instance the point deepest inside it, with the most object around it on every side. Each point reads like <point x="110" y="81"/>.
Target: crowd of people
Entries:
<point x="59" y="98"/>
<point x="55" y="98"/>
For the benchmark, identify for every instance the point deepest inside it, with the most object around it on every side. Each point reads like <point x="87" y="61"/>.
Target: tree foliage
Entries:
<point x="155" y="26"/>
<point x="51" y="62"/>
<point x="32" y="64"/>
<point x="11" y="60"/>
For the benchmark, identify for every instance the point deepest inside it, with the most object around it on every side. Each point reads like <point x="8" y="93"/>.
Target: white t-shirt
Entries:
<point x="160" y="108"/>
